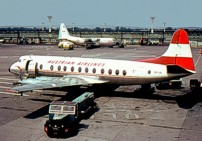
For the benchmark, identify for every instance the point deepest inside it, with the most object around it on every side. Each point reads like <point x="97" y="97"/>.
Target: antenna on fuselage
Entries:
<point x="30" y="56"/>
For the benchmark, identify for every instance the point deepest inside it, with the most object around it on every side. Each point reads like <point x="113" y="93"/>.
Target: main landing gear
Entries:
<point x="147" y="89"/>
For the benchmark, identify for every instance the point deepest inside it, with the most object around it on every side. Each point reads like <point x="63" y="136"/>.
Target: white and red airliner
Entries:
<point x="46" y="72"/>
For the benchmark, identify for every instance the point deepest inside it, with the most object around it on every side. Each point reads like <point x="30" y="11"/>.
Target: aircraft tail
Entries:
<point x="63" y="32"/>
<point x="178" y="52"/>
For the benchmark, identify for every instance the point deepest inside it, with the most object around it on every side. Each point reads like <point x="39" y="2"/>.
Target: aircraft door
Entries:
<point x="31" y="68"/>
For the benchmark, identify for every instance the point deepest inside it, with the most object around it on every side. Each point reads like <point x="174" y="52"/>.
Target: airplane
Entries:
<point x="54" y="72"/>
<point x="87" y="42"/>
<point x="2" y="41"/>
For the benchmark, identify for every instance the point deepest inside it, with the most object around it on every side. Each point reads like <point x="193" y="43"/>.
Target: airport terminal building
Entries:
<point x="127" y="36"/>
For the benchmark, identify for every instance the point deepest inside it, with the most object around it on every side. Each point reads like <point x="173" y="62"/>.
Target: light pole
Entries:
<point x="164" y="30"/>
<point x="164" y="27"/>
<point x="73" y="24"/>
<point x="42" y="26"/>
<point x="49" y="19"/>
<point x="105" y="26"/>
<point x="152" y="26"/>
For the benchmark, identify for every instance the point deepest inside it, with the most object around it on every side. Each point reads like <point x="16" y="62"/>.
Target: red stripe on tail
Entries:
<point x="183" y="62"/>
<point x="180" y="37"/>
<point x="178" y="52"/>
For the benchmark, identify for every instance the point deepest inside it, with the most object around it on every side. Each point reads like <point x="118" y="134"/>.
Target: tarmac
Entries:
<point x="123" y="114"/>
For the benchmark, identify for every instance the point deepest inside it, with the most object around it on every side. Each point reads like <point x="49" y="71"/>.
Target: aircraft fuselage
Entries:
<point x="113" y="71"/>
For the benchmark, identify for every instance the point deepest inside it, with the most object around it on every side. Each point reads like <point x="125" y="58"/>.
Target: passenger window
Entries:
<point x="94" y="70"/>
<point x="86" y="70"/>
<point x="59" y="68"/>
<point x="72" y="68"/>
<point x="51" y="67"/>
<point x="79" y="69"/>
<point x="124" y="72"/>
<point x="110" y="71"/>
<point x="41" y="67"/>
<point x="117" y="72"/>
<point x="102" y="71"/>
<point x="64" y="68"/>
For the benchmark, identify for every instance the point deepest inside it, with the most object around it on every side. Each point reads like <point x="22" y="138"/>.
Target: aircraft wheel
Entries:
<point x="147" y="89"/>
<point x="50" y="134"/>
<point x="121" y="45"/>
<point x="88" y="46"/>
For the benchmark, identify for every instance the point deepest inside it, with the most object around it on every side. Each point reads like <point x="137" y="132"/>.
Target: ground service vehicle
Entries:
<point x="64" y="116"/>
<point x="66" y="45"/>
<point x="177" y="83"/>
<point x="194" y="84"/>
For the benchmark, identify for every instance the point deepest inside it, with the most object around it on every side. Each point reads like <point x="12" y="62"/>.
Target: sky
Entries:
<point x="81" y="13"/>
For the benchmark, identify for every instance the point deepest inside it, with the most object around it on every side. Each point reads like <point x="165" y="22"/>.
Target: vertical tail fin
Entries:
<point x="63" y="32"/>
<point x="178" y="52"/>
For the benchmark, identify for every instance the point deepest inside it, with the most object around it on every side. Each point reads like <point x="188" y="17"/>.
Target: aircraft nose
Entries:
<point x="14" y="69"/>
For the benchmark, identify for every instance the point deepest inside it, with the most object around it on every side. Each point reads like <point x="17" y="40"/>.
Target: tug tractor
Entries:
<point x="64" y="116"/>
<point x="172" y="84"/>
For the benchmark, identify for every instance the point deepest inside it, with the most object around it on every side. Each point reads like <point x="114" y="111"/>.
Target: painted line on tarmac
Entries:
<point x="7" y="79"/>
<point x="145" y="56"/>
<point x="38" y="91"/>
<point x="197" y="60"/>
<point x="5" y="83"/>
<point x="18" y="94"/>
<point x="5" y="87"/>
<point x="4" y="57"/>
<point x="94" y="55"/>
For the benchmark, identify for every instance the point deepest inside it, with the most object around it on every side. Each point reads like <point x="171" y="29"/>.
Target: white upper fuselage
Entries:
<point x="96" y="41"/>
<point x="113" y="71"/>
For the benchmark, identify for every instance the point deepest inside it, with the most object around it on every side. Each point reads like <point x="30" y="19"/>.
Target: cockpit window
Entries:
<point x="22" y="59"/>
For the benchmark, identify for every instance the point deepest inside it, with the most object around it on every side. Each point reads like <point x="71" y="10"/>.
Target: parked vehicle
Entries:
<point x="64" y="116"/>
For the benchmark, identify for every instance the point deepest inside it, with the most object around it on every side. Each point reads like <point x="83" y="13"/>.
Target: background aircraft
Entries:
<point x="1" y="40"/>
<point x="65" y="38"/>
<point x="46" y="72"/>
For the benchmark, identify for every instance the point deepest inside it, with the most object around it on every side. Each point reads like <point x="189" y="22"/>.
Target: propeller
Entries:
<point x="20" y="76"/>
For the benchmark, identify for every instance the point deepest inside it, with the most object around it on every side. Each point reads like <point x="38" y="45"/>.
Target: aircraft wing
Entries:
<point x="40" y="83"/>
